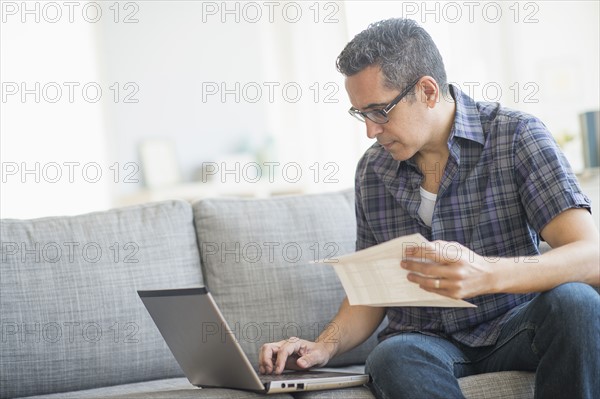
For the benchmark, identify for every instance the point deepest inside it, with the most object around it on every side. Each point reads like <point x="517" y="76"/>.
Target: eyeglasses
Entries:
<point x="381" y="115"/>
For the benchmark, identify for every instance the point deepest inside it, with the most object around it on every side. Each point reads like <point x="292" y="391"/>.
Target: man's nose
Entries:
<point x="373" y="129"/>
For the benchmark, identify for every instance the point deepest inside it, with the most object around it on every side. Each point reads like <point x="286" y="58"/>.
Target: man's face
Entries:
<point x="406" y="131"/>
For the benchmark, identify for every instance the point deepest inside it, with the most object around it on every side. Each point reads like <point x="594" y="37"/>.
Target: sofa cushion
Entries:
<point x="345" y="393"/>
<point x="156" y="386"/>
<point x="500" y="385"/>
<point x="172" y="388"/>
<point x="255" y="256"/>
<point x="71" y="317"/>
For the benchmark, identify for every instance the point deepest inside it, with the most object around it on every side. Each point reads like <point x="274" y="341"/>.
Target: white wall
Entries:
<point x="167" y="52"/>
<point x="52" y="143"/>
<point x="177" y="49"/>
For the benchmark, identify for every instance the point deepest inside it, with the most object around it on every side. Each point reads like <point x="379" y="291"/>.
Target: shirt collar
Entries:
<point x="467" y="124"/>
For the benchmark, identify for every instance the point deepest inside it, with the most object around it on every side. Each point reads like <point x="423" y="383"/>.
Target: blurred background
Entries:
<point x="112" y="103"/>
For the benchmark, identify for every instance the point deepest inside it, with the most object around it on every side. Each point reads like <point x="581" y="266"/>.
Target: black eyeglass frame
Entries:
<point x="383" y="112"/>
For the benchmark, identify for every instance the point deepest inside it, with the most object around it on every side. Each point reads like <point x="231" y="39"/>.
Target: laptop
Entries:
<point x="209" y="353"/>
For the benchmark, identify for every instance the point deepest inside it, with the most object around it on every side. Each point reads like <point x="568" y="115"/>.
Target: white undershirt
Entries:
<point x="427" y="205"/>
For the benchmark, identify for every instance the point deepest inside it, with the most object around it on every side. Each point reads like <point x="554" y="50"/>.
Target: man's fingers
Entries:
<point x="269" y="355"/>
<point x="427" y="270"/>
<point x="309" y="360"/>
<point x="265" y="361"/>
<point x="293" y="354"/>
<point x="287" y="354"/>
<point x="441" y="252"/>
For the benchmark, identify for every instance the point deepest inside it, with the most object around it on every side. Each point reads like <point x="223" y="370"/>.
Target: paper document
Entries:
<point x="374" y="277"/>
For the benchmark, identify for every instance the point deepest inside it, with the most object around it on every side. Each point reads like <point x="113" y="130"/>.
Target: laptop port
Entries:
<point x="291" y="385"/>
<point x="300" y="387"/>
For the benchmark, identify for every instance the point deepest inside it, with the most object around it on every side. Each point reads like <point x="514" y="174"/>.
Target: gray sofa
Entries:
<point x="74" y="327"/>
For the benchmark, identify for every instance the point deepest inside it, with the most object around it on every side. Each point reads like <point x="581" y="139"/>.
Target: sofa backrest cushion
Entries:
<point x="71" y="317"/>
<point x="255" y="257"/>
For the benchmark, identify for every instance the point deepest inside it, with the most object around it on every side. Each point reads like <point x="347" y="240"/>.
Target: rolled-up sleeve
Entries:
<point x="547" y="184"/>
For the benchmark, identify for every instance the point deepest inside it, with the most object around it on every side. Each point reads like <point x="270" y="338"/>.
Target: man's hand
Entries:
<point x="351" y="326"/>
<point x="292" y="353"/>
<point x="449" y="269"/>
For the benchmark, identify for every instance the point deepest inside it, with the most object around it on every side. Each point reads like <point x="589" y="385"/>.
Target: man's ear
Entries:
<point x="430" y="91"/>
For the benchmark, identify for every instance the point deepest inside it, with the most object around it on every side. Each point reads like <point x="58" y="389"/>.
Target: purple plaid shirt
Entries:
<point x="505" y="179"/>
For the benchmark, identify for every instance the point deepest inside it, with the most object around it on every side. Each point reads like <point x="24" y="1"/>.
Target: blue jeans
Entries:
<point x="557" y="335"/>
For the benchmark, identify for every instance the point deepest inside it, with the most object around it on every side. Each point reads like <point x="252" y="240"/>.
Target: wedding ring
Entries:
<point x="437" y="283"/>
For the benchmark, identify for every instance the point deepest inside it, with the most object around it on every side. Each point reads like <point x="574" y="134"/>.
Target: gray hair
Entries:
<point x="403" y="50"/>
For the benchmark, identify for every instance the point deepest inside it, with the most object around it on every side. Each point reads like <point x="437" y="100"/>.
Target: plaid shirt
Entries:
<point x="505" y="179"/>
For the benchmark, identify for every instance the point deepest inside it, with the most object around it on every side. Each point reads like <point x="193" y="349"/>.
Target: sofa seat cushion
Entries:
<point x="500" y="385"/>
<point x="172" y="388"/>
<point x="256" y="256"/>
<point x="345" y="393"/>
<point x="71" y="317"/>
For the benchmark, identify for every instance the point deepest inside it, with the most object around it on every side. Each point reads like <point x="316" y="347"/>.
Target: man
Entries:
<point x="484" y="184"/>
